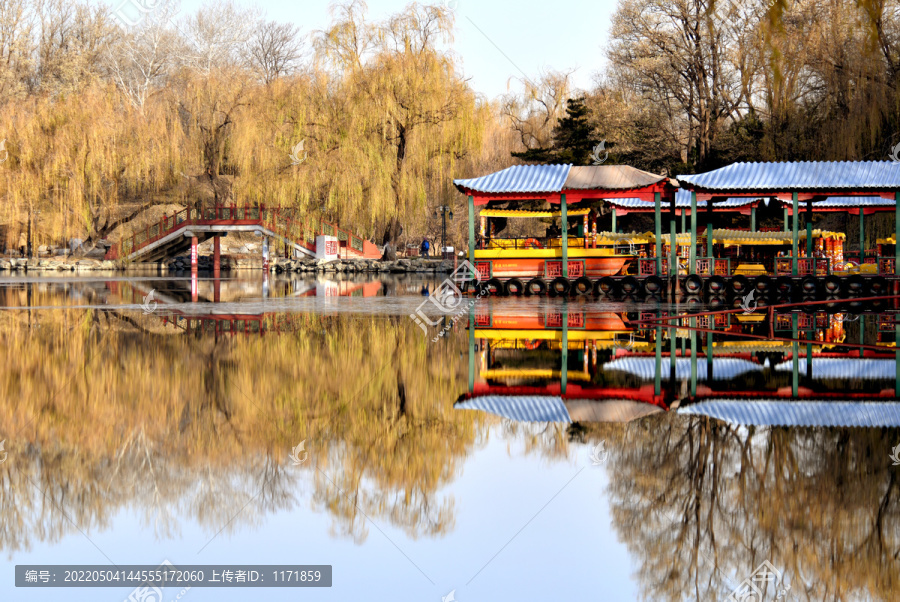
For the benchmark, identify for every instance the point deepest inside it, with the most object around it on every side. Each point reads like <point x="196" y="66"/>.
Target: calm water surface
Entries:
<point x="540" y="449"/>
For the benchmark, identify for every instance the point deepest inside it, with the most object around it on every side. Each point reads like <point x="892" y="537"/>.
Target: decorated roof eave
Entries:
<point x="666" y="208"/>
<point x="646" y="193"/>
<point x="644" y="393"/>
<point x="867" y="209"/>
<point x="786" y="194"/>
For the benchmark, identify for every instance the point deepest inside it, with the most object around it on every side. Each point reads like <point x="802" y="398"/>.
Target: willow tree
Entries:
<point x="77" y="160"/>
<point x="400" y="115"/>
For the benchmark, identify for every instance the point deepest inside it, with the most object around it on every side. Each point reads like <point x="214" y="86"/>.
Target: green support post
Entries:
<point x="683" y="220"/>
<point x="795" y="348"/>
<point x="809" y="358"/>
<point x="786" y="211"/>
<point x="564" y="371"/>
<point x="693" y="357"/>
<point x="472" y="230"/>
<point x="709" y="227"/>
<point x="657" y="207"/>
<point x="693" y="266"/>
<point x="862" y="237"/>
<point x="897" y="360"/>
<point x="795" y="227"/>
<point x="709" y="356"/>
<point x="862" y="334"/>
<point x="809" y="229"/>
<point x="471" y="347"/>
<point x="673" y="241"/>
<point x="673" y="350"/>
<point x="897" y="233"/>
<point x="753" y="219"/>
<point x="657" y="382"/>
<point x="614" y="219"/>
<point x="564" y="214"/>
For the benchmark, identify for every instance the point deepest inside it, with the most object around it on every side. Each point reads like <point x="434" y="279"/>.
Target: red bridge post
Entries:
<point x="217" y="256"/>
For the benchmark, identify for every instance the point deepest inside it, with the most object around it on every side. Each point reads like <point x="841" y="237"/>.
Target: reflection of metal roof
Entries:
<point x="536" y="408"/>
<point x="798" y="413"/>
<point x="610" y="177"/>
<point x="848" y="201"/>
<point x="799" y="175"/>
<point x="519" y="178"/>
<point x="552" y="409"/>
<point x="558" y="178"/>
<point x="645" y="367"/>
<point x="846" y="368"/>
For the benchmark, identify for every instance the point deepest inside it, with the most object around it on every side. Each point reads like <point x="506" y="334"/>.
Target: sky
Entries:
<point x="496" y="40"/>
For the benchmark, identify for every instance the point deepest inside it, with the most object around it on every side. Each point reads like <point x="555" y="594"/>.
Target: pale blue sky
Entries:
<point x="532" y="34"/>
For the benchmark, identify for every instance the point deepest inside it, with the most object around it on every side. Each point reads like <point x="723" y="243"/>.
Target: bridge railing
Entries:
<point x="276" y="219"/>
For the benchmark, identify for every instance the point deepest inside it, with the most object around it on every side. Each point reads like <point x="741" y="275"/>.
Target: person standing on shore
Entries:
<point x="425" y="246"/>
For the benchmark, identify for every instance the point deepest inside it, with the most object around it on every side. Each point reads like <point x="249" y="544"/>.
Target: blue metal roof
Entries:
<point x="850" y="201"/>
<point x="846" y="368"/>
<point x="724" y="368"/>
<point x="798" y="413"/>
<point x="802" y="175"/>
<point x="520" y="179"/>
<point x="682" y="201"/>
<point x="535" y="408"/>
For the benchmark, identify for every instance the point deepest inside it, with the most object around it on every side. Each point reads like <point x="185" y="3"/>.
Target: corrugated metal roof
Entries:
<point x="610" y="177"/>
<point x="848" y="201"/>
<point x="683" y="201"/>
<point x="519" y="178"/>
<point x="798" y="413"/>
<point x="645" y="367"/>
<point x="801" y="175"/>
<point x="846" y="368"/>
<point x="557" y="178"/>
<point x="537" y="408"/>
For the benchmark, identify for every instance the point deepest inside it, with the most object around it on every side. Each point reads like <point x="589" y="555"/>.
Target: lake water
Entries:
<point x="489" y="449"/>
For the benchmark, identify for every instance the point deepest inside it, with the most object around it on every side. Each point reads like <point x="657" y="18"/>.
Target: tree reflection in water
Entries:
<point x="104" y="410"/>
<point x="701" y="505"/>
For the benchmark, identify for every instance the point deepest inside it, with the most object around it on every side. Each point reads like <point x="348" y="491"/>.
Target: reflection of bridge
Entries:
<point x="185" y="229"/>
<point x="248" y="323"/>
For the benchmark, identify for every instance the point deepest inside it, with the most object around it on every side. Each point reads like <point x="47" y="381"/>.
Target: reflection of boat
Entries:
<point x="569" y="368"/>
<point x="542" y="367"/>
